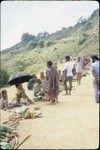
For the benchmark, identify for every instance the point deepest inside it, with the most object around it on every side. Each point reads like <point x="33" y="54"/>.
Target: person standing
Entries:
<point x="68" y="72"/>
<point x="52" y="80"/>
<point x="79" y="69"/>
<point x="96" y="77"/>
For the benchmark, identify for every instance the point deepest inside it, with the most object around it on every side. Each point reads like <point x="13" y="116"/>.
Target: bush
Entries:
<point x="19" y="66"/>
<point x="41" y="44"/>
<point x="3" y="77"/>
<point x="27" y="37"/>
<point x="82" y="39"/>
<point x="50" y="43"/>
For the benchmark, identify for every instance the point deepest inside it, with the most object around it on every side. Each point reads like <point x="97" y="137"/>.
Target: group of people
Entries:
<point x="19" y="99"/>
<point x="48" y="84"/>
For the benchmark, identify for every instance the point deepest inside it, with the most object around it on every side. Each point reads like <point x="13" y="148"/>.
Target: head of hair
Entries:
<point x="4" y="93"/>
<point x="67" y="58"/>
<point x="95" y="57"/>
<point x="18" y="85"/>
<point x="49" y="63"/>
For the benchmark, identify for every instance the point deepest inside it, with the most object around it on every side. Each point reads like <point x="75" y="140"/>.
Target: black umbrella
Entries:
<point x="19" y="77"/>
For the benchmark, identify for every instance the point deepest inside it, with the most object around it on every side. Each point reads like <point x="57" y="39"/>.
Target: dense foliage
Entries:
<point x="3" y="77"/>
<point x="30" y="55"/>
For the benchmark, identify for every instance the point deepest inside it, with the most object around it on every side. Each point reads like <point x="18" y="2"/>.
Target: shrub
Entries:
<point x="41" y="44"/>
<point x="82" y="39"/>
<point x="3" y="77"/>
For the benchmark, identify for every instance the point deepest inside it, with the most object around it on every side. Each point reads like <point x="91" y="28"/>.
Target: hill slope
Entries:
<point x="32" y="52"/>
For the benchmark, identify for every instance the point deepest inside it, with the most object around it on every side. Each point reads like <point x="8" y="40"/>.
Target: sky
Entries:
<point x="18" y="17"/>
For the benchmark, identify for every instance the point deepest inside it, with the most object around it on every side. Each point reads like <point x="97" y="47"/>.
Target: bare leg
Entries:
<point x="65" y="87"/>
<point x="28" y="99"/>
<point x="70" y="88"/>
<point x="56" y="100"/>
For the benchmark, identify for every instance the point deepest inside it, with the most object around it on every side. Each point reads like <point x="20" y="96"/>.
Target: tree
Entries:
<point x="4" y="76"/>
<point x="27" y="37"/>
<point x="63" y="28"/>
<point x="41" y="44"/>
<point x="20" y="65"/>
<point x="82" y="20"/>
<point x="49" y="43"/>
<point x="43" y="34"/>
<point x="46" y="34"/>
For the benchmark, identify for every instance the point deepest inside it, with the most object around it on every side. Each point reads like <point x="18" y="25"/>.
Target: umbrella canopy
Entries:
<point x="19" y="77"/>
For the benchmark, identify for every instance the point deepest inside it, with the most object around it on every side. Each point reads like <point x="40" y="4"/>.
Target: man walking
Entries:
<point x="68" y="74"/>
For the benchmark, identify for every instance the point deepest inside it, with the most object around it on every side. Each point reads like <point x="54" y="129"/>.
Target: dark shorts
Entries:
<point x="70" y="78"/>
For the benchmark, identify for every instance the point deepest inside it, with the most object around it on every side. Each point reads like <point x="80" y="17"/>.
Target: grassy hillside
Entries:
<point x="30" y="55"/>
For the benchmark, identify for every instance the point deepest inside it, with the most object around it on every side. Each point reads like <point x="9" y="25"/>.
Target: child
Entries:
<point x="37" y="88"/>
<point x="4" y="100"/>
<point x="19" y="94"/>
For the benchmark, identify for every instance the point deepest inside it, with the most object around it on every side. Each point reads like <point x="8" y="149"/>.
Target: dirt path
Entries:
<point x="71" y="124"/>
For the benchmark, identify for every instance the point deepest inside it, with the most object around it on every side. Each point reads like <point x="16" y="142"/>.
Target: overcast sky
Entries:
<point x="19" y="17"/>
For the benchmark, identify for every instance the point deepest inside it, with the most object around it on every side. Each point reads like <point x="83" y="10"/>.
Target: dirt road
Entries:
<point x="73" y="123"/>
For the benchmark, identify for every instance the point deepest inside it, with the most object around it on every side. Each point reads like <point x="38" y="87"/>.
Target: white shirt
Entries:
<point x="95" y="67"/>
<point x="69" y="66"/>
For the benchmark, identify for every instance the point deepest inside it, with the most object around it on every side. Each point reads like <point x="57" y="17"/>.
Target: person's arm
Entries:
<point x="64" y="74"/>
<point x="47" y="73"/>
<point x="92" y="70"/>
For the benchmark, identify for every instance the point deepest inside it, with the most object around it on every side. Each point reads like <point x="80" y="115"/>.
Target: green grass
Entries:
<point x="65" y="42"/>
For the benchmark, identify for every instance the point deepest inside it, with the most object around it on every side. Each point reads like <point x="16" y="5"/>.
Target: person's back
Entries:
<point x="31" y="83"/>
<point x="36" y="88"/>
<point x="69" y="66"/>
<point x="95" y="67"/>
